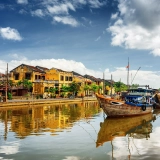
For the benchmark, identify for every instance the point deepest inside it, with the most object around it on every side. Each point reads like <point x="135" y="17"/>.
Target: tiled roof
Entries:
<point x="92" y="78"/>
<point x="30" y="67"/>
<point x="42" y="68"/>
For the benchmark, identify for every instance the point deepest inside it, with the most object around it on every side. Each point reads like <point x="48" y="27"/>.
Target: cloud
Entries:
<point x="61" y="8"/>
<point x="97" y="39"/>
<point x="66" y="20"/>
<point x="22" y="1"/>
<point x="114" y="16"/>
<point x="136" y="28"/>
<point x="71" y="158"/>
<point x="97" y="3"/>
<point x="10" y="34"/>
<point x="10" y="148"/>
<point x="120" y="73"/>
<point x="38" y="13"/>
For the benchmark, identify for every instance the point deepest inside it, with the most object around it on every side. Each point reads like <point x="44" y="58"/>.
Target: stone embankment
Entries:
<point x="30" y="102"/>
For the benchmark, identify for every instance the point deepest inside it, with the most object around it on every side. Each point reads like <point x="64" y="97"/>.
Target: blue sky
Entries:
<point x="86" y="36"/>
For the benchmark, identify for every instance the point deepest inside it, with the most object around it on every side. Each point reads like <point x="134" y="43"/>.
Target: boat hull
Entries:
<point x="114" y="108"/>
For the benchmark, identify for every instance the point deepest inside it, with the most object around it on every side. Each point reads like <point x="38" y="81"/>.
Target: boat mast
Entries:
<point x="135" y="75"/>
<point x="128" y="74"/>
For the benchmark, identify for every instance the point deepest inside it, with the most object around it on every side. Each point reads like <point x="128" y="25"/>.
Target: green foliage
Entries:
<point x="64" y="90"/>
<point x="86" y="87"/>
<point x="94" y="87"/>
<point x="27" y="84"/>
<point x="119" y="86"/>
<point x="74" y="87"/>
<point x="53" y="91"/>
<point x="134" y="86"/>
<point x="19" y="83"/>
<point x="9" y="96"/>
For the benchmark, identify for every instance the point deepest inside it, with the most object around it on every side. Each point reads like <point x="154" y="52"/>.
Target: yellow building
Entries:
<point x="43" y="79"/>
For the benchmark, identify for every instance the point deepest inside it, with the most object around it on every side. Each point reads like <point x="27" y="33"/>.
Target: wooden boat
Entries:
<point x="136" y="127"/>
<point x="137" y="102"/>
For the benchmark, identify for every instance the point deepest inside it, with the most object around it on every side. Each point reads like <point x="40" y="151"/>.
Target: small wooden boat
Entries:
<point x="137" y="102"/>
<point x="136" y="127"/>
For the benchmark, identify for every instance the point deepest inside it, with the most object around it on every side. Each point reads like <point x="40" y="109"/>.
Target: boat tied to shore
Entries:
<point x="137" y="102"/>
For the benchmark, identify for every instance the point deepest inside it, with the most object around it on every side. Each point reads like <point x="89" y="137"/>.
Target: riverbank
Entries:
<point x="21" y="102"/>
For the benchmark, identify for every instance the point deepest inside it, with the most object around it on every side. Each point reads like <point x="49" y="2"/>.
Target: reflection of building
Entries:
<point x="37" y="120"/>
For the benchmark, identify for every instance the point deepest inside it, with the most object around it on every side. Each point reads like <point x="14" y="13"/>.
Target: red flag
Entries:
<point x="127" y="66"/>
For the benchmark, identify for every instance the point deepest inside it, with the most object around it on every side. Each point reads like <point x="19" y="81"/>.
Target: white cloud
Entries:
<point x="142" y="77"/>
<point x="22" y="11"/>
<point x="22" y="1"/>
<point x="96" y="3"/>
<point x="10" y="34"/>
<point x="71" y="158"/>
<point x="114" y="16"/>
<point x="97" y="39"/>
<point x="38" y="13"/>
<point x="66" y="20"/>
<point x="61" y="8"/>
<point x="136" y="27"/>
<point x="10" y="148"/>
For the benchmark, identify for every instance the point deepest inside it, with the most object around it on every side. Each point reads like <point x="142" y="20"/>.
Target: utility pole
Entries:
<point x="6" y="83"/>
<point x="111" y="85"/>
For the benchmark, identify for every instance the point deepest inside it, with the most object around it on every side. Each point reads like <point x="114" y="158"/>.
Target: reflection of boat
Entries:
<point x="137" y="102"/>
<point x="118" y="127"/>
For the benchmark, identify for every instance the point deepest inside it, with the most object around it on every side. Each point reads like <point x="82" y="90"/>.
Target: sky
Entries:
<point x="94" y="37"/>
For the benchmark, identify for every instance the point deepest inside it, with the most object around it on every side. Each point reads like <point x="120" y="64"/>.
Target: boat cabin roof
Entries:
<point x="141" y="91"/>
<point x="136" y="96"/>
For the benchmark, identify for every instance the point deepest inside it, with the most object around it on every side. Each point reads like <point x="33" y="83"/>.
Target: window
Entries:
<point x="62" y="78"/>
<point x="16" y="76"/>
<point x="43" y="78"/>
<point x="70" y="78"/>
<point x="28" y="76"/>
<point x="66" y="78"/>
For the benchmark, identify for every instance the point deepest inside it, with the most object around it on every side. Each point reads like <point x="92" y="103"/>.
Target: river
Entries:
<point x="78" y="131"/>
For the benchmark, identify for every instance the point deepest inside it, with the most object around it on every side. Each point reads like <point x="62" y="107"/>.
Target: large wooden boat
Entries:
<point x="136" y="127"/>
<point x="137" y="102"/>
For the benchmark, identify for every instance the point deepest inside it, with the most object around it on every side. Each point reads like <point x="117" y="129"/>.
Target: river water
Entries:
<point x="76" y="132"/>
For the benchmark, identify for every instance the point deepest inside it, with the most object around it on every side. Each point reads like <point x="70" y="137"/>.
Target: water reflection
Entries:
<point x="38" y="120"/>
<point x="124" y="133"/>
<point x="137" y="127"/>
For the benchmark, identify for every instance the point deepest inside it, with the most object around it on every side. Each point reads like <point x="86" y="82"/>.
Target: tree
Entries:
<point x="86" y="88"/>
<point x="135" y="86"/>
<point x="53" y="90"/>
<point x="74" y="87"/>
<point x="94" y="87"/>
<point x="64" y="89"/>
<point x="26" y="84"/>
<point x="119" y="86"/>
